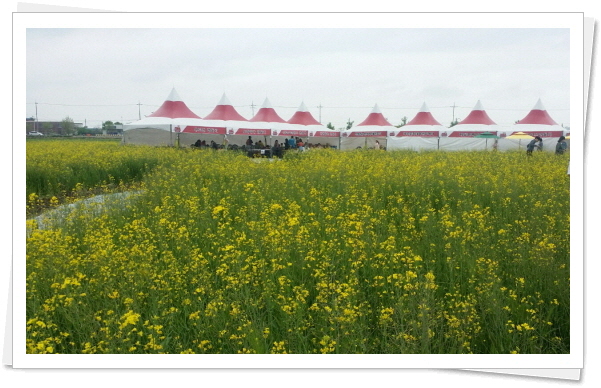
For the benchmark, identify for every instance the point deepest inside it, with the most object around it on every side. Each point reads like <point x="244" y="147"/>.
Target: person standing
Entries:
<point x="292" y="142"/>
<point x="561" y="146"/>
<point x="276" y="150"/>
<point x="377" y="145"/>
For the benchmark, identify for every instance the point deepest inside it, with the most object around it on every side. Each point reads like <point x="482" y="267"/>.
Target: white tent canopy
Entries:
<point x="173" y="123"/>
<point x="161" y="126"/>
<point x="267" y="117"/>
<point x="537" y="122"/>
<point x="225" y="125"/>
<point x="462" y="135"/>
<point x="299" y="125"/>
<point x="421" y="133"/>
<point x="375" y="128"/>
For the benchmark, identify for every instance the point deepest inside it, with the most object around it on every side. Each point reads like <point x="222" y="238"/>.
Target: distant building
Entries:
<point x="46" y="127"/>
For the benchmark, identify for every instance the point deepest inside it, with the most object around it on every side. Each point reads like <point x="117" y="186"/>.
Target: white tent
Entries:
<point x="324" y="138"/>
<point x="224" y="124"/>
<point x="421" y="133"/>
<point x="462" y="135"/>
<point x="299" y="125"/>
<point x="161" y="127"/>
<point x="537" y="122"/>
<point x="268" y="118"/>
<point x="375" y="128"/>
<point x="318" y="135"/>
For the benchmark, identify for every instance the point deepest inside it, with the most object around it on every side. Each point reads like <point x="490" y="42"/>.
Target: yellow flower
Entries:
<point x="129" y="318"/>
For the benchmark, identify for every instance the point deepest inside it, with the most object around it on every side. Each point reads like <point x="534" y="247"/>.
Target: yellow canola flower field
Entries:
<point x="361" y="251"/>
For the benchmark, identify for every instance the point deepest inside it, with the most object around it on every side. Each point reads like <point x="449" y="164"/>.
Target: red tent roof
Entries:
<point x="267" y="114"/>
<point x="424" y="117"/>
<point x="375" y="118"/>
<point x="174" y="108"/>
<point x="478" y="116"/>
<point x="303" y="117"/>
<point x="538" y="115"/>
<point x="225" y="111"/>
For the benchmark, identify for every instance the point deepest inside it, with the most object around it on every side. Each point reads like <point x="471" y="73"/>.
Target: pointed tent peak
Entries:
<point x="424" y="108"/>
<point x="173" y="96"/>
<point x="478" y="116"/>
<point x="225" y="111"/>
<point x="478" y="106"/>
<point x="303" y="117"/>
<point x="375" y="118"/>
<point x="267" y="114"/>
<point x="267" y="103"/>
<point x="303" y="107"/>
<point x="539" y="105"/>
<point x="174" y="108"/>
<point x="538" y="115"/>
<point x="224" y="100"/>
<point x="424" y="117"/>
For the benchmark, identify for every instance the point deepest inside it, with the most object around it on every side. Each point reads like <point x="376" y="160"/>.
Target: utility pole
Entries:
<point x="36" y="117"/>
<point x="252" y="106"/>
<point x="320" y="112"/>
<point x="139" y="114"/>
<point x="453" y="112"/>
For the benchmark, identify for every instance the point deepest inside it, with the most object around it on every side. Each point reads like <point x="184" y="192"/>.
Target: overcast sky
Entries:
<point x="94" y="75"/>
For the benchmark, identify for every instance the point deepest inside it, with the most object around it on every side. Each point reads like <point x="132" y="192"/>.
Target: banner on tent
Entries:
<point x="543" y="133"/>
<point x="468" y="133"/>
<point x="416" y="134"/>
<point x="324" y="134"/>
<point x="365" y="134"/>
<point x="290" y="132"/>
<point x="249" y="131"/>
<point x="205" y="130"/>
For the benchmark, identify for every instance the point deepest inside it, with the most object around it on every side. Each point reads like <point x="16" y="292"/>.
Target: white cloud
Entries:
<point x="399" y="69"/>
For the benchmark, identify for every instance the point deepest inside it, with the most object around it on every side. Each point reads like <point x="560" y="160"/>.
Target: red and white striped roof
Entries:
<point x="301" y="124"/>
<point x="375" y="118"/>
<point x="424" y="117"/>
<point x="303" y="117"/>
<point x="174" y="108"/>
<point x="267" y="114"/>
<point x="477" y="116"/>
<point x="538" y="123"/>
<point x="475" y="123"/>
<point x="538" y="115"/>
<point x="224" y="111"/>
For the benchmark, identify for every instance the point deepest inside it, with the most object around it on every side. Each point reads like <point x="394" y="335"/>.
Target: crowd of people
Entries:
<point x="251" y="146"/>
<point x="203" y="144"/>
<point x="296" y="143"/>
<point x="537" y="143"/>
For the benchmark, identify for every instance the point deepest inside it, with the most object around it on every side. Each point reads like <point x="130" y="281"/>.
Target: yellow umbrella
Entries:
<point x="520" y="135"/>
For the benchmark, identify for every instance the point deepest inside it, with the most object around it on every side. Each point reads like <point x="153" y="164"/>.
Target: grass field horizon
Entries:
<point x="326" y="251"/>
